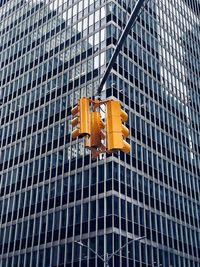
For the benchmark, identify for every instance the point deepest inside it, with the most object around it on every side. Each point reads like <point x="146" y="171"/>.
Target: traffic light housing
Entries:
<point x="115" y="130"/>
<point x="81" y="120"/>
<point x="97" y="134"/>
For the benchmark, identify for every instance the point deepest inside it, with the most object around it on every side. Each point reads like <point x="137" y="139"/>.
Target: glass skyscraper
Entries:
<point x="52" y="193"/>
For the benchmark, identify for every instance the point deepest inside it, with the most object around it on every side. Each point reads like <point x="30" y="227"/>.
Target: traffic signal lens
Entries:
<point x="125" y="131"/>
<point x="74" y="110"/>
<point x="126" y="147"/>
<point x="75" y="133"/>
<point x="124" y="115"/>
<point x="74" y="122"/>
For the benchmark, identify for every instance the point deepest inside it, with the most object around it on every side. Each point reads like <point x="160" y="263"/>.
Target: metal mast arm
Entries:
<point x="131" y="241"/>
<point x="82" y="245"/>
<point x="134" y="15"/>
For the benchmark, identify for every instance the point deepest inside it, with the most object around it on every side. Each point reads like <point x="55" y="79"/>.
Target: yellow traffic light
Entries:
<point x="90" y="124"/>
<point x="82" y="119"/>
<point x="97" y="134"/>
<point x="116" y="131"/>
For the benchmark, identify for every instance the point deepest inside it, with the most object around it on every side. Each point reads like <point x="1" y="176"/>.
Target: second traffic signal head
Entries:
<point x="116" y="131"/>
<point x="81" y="118"/>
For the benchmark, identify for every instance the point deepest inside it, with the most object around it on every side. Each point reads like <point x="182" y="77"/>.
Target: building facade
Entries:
<point x="52" y="52"/>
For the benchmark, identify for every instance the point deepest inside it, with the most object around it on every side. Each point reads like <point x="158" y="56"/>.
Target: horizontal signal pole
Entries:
<point x="139" y="6"/>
